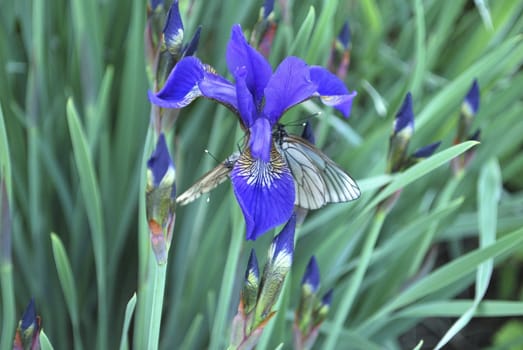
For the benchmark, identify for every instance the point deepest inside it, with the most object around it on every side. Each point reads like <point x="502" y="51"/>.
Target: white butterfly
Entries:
<point x="317" y="179"/>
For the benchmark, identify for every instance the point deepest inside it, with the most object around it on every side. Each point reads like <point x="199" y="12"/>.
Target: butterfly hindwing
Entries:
<point x="318" y="180"/>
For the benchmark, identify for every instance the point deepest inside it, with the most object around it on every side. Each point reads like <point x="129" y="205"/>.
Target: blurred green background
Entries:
<point x="74" y="71"/>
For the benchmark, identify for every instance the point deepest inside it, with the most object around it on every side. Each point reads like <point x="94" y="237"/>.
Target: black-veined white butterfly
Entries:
<point x="317" y="179"/>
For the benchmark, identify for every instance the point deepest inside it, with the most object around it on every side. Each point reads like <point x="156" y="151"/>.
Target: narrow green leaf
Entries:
<point x="129" y="310"/>
<point x="158" y="291"/>
<point x="420" y="66"/>
<point x="229" y="276"/>
<point x="489" y="193"/>
<point x="419" y="346"/>
<point x="489" y="190"/>
<point x="356" y="281"/>
<point x="420" y="169"/>
<point x="65" y="275"/>
<point x="452" y="94"/>
<point x="193" y="333"/>
<point x="44" y="341"/>
<point x="93" y="206"/>
<point x="448" y="274"/>
<point x="302" y="38"/>
<point x="372" y="15"/>
<point x="455" y="308"/>
<point x="5" y="162"/>
<point x="323" y="30"/>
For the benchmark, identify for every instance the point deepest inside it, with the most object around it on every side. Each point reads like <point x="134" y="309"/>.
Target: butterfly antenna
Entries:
<point x="309" y="117"/>
<point x="211" y="155"/>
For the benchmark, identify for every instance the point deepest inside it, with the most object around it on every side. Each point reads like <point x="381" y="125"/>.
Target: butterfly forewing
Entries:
<point x="209" y="181"/>
<point x="318" y="180"/>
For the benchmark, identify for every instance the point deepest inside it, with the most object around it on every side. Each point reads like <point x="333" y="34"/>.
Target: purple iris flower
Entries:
<point x="262" y="182"/>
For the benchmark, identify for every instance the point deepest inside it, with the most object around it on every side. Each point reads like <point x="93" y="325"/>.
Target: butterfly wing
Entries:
<point x="318" y="180"/>
<point x="209" y="181"/>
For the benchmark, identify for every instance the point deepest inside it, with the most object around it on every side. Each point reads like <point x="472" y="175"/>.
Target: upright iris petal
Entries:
<point x="289" y="85"/>
<point x="241" y="54"/>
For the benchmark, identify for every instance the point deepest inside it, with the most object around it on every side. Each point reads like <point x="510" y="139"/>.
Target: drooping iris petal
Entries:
<point x="331" y="90"/>
<point x="265" y="192"/>
<point x="217" y="88"/>
<point x="181" y="87"/>
<point x="241" y="54"/>
<point x="260" y="140"/>
<point x="246" y="105"/>
<point x="190" y="79"/>
<point x="288" y="86"/>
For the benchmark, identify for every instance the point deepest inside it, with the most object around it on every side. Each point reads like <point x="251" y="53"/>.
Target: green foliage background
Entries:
<point x="73" y="123"/>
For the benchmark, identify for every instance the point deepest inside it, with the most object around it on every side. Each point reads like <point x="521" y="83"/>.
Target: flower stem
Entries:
<point x="156" y="302"/>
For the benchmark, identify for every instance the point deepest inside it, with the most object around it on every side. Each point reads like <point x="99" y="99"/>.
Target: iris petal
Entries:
<point x="241" y="54"/>
<point x="331" y="90"/>
<point x="217" y="88"/>
<point x="260" y="140"/>
<point x="265" y="192"/>
<point x="404" y="121"/>
<point x="181" y="87"/>
<point x="160" y="161"/>
<point x="246" y="105"/>
<point x="288" y="86"/>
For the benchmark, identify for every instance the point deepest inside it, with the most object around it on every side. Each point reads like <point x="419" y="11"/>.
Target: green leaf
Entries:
<point x="322" y="35"/>
<point x="302" y="38"/>
<point x="65" y="275"/>
<point x="420" y="169"/>
<point x="44" y="341"/>
<point x="447" y="274"/>
<point x="489" y="189"/>
<point x="91" y="195"/>
<point x="129" y="310"/>
<point x="5" y="162"/>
